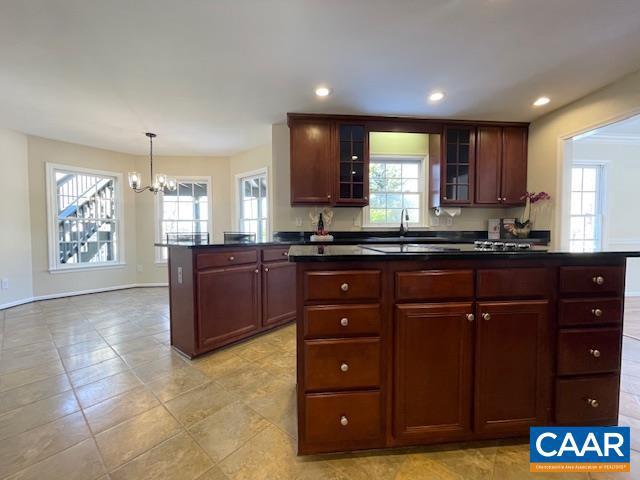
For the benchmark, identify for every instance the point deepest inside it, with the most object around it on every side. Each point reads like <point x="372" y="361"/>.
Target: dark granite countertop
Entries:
<point x="540" y="237"/>
<point x="417" y="252"/>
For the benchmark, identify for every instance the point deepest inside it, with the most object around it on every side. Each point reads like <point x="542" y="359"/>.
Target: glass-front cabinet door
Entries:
<point x="458" y="163"/>
<point x="353" y="165"/>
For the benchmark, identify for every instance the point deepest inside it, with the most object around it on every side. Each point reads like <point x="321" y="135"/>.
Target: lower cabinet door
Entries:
<point x="278" y="292"/>
<point x="512" y="378"/>
<point x="433" y="382"/>
<point x="228" y="305"/>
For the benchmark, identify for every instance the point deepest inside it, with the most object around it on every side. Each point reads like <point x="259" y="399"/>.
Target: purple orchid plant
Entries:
<point x="531" y="198"/>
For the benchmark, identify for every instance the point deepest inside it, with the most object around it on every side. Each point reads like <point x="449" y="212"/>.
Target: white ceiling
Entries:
<point x="211" y="76"/>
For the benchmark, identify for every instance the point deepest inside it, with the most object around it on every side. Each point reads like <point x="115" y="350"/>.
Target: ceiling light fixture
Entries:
<point x="541" y="101"/>
<point x="323" y="91"/>
<point x="436" y="96"/>
<point x="161" y="183"/>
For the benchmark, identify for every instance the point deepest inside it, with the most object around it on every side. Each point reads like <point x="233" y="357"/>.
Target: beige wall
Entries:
<point x="15" y="242"/>
<point x="614" y="102"/>
<point x="249" y="161"/>
<point x="350" y="219"/>
<point x="217" y="168"/>
<point x="42" y="151"/>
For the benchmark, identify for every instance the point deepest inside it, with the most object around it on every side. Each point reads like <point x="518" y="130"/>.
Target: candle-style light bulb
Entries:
<point x="135" y="179"/>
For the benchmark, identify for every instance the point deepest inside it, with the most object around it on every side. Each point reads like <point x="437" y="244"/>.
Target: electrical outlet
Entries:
<point x="5" y="284"/>
<point x="298" y="222"/>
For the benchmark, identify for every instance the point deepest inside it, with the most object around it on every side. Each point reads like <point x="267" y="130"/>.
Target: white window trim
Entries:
<point x="238" y="208"/>
<point x="423" y="197"/>
<point x="157" y="208"/>
<point x="52" y="229"/>
<point x="602" y="198"/>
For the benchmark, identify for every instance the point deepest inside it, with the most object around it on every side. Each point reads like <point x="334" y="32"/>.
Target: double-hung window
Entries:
<point x="395" y="183"/>
<point x="183" y="214"/>
<point x="253" y="201"/>
<point x="585" y="227"/>
<point x="84" y="209"/>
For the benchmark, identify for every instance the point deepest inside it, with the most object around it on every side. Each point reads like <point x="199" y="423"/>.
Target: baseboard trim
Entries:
<point x="76" y="293"/>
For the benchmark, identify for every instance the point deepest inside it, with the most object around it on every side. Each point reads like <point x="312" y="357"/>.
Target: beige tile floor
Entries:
<point x="90" y="389"/>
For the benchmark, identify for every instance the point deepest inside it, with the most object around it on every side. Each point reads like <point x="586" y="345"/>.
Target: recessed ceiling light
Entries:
<point x="541" y="101"/>
<point x="436" y="96"/>
<point x="322" y="91"/>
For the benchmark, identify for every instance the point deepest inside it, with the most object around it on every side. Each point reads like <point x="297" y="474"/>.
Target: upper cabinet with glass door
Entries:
<point x="458" y="165"/>
<point x="353" y="165"/>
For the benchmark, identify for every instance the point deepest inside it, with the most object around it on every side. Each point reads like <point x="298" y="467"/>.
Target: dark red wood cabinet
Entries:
<point x="454" y="350"/>
<point x="220" y="295"/>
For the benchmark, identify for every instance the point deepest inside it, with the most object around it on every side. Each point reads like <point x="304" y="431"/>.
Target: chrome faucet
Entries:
<point x="404" y="216"/>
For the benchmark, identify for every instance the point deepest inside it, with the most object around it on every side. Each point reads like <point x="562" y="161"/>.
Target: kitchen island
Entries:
<point x="409" y="346"/>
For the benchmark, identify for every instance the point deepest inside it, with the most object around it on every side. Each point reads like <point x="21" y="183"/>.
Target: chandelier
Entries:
<point x="161" y="183"/>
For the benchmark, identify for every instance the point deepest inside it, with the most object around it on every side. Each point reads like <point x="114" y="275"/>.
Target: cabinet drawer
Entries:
<point x="275" y="254"/>
<point x="341" y="321"/>
<point x="343" y="417"/>
<point x="225" y="259"/>
<point x="434" y="284"/>
<point x="513" y="282"/>
<point x="588" y="350"/>
<point x="587" y="400"/>
<point x="598" y="280"/>
<point x="342" y="285"/>
<point x="341" y="364"/>
<point x="590" y="311"/>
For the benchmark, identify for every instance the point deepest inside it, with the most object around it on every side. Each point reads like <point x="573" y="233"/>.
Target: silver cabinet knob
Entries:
<point x="593" y="403"/>
<point x="344" y="421"/>
<point x="344" y="322"/>
<point x="594" y="352"/>
<point x="486" y="316"/>
<point x="499" y="199"/>
<point x="344" y="367"/>
<point x="232" y="258"/>
<point x="596" y="312"/>
<point x="286" y="254"/>
<point x="599" y="280"/>
<point x="257" y="271"/>
<point x="344" y="287"/>
<point x="328" y="196"/>
<point x="366" y="198"/>
<point x="266" y="269"/>
<point x="471" y="317"/>
<point x="504" y="199"/>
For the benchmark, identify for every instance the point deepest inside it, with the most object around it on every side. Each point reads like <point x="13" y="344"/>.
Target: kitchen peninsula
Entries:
<point x="443" y="343"/>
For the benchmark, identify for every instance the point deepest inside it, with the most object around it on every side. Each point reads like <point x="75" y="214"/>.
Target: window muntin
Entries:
<point x="85" y="217"/>
<point x="585" y="221"/>
<point x="184" y="211"/>
<point x="394" y="184"/>
<point x="253" y="209"/>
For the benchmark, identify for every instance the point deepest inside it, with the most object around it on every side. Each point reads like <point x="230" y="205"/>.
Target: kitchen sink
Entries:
<point x="409" y="248"/>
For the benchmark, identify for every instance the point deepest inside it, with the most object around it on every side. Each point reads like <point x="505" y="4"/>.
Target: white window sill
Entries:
<point x="161" y="263"/>
<point x="86" y="268"/>
<point x="392" y="226"/>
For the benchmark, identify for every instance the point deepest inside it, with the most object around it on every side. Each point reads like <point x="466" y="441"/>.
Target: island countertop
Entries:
<point x="416" y="252"/>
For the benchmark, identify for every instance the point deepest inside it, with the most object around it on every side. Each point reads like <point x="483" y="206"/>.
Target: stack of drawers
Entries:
<point x="589" y="344"/>
<point x="340" y="394"/>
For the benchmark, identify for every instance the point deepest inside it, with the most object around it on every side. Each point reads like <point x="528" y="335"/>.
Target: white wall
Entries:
<point x="15" y="241"/>
<point x="622" y="175"/>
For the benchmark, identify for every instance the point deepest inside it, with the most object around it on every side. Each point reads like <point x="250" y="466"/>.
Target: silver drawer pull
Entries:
<point x="596" y="312"/>
<point x="344" y="421"/>
<point x="471" y="317"/>
<point x="599" y="280"/>
<point x="344" y="322"/>
<point x="593" y="403"/>
<point x="286" y="254"/>
<point x="595" y="353"/>
<point x="486" y="316"/>
<point x="232" y="258"/>
<point x="344" y="287"/>
<point x="344" y="367"/>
